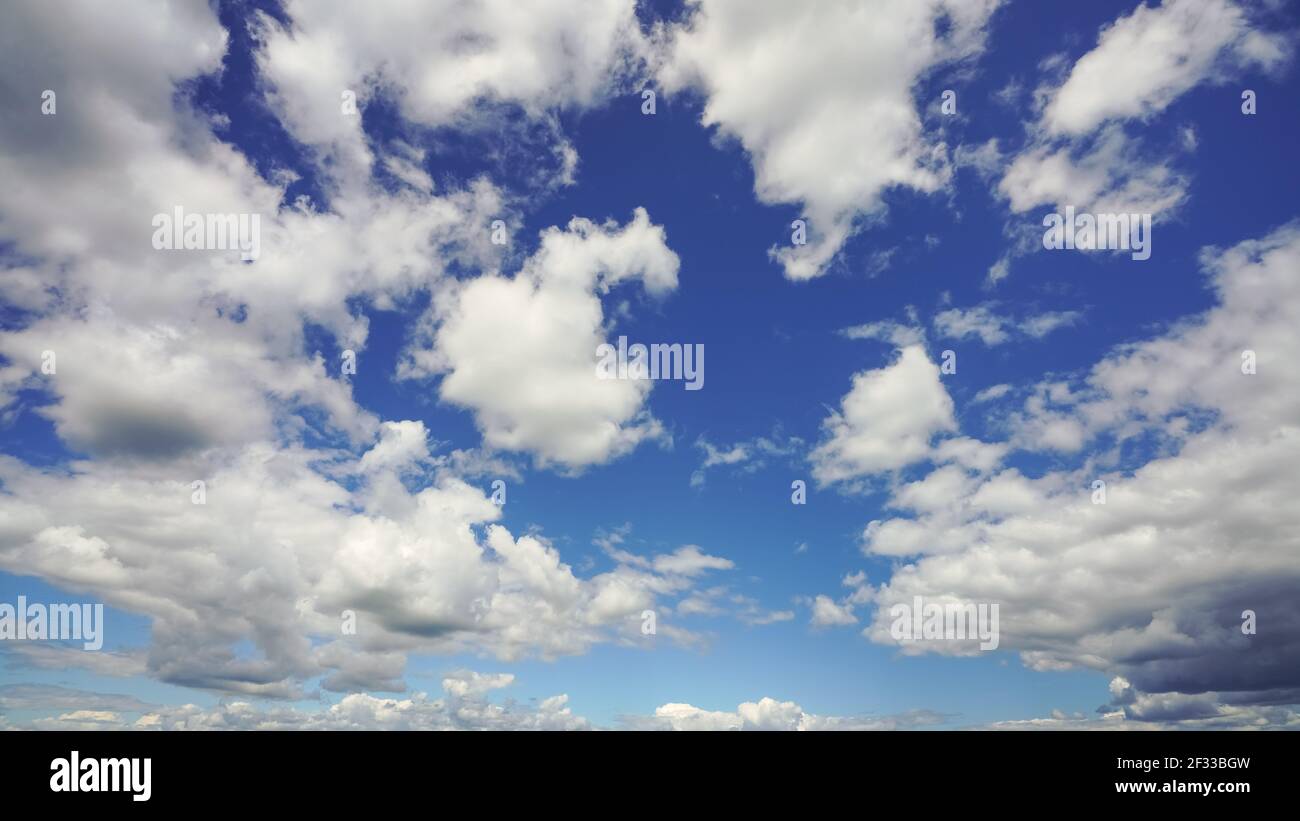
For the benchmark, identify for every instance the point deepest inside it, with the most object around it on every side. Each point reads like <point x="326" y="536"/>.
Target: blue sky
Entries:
<point x="779" y="362"/>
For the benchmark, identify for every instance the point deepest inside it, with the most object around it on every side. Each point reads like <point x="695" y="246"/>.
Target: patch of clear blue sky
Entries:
<point x="775" y="361"/>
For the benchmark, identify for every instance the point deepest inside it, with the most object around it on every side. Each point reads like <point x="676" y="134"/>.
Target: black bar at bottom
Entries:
<point x="331" y="770"/>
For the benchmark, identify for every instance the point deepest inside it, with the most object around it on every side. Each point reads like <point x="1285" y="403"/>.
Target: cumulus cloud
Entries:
<point x="521" y="351"/>
<point x="464" y="706"/>
<point x="1081" y="152"/>
<point x="155" y="391"/>
<point x="770" y="714"/>
<point x="821" y="98"/>
<point x="210" y="352"/>
<point x="886" y="421"/>
<point x="441" y="63"/>
<point x="1162" y="52"/>
<point x="1131" y="709"/>
<point x="1151" y="585"/>
<point x="461" y="707"/>
<point x="1109" y="174"/>
<point x="174" y="368"/>
<point x="469" y="683"/>
<point x="179" y="367"/>
<point x="827" y="613"/>
<point x="279" y="551"/>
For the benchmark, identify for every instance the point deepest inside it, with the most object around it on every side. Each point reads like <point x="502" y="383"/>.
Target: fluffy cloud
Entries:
<point x="196" y="348"/>
<point x="460" y="708"/>
<point x="1161" y="52"/>
<point x="157" y="391"/>
<point x="827" y="613"/>
<point x="278" y="552"/>
<point x="1197" y="526"/>
<point x="1079" y="151"/>
<point x="820" y="96"/>
<point x="885" y="421"/>
<point x="441" y="63"/>
<point x="770" y="714"/>
<point x="1131" y="709"/>
<point x="521" y="351"/>
<point x="176" y="367"/>
<point x="1109" y="174"/>
<point x="463" y="707"/>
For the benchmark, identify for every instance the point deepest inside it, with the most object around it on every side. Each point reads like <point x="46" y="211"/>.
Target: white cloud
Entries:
<point x="59" y="657"/>
<point x="177" y="367"/>
<point x="770" y="714"/>
<point x="713" y="456"/>
<point x="998" y="271"/>
<point x="991" y="393"/>
<point x="1108" y="174"/>
<point x="276" y="555"/>
<point x="827" y="613"/>
<point x="400" y="445"/>
<point x="992" y="328"/>
<point x="689" y="561"/>
<point x="897" y="334"/>
<point x="820" y="96"/>
<point x="1131" y="709"/>
<point x="1079" y="152"/>
<point x="1161" y="52"/>
<point x="885" y="421"/>
<point x="442" y="63"/>
<point x="520" y="352"/>
<point x="979" y="321"/>
<point x="746" y="456"/>
<point x="1152" y="584"/>
<point x="469" y="683"/>
<point x="464" y="707"/>
<point x="1040" y="325"/>
<point x="196" y="349"/>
